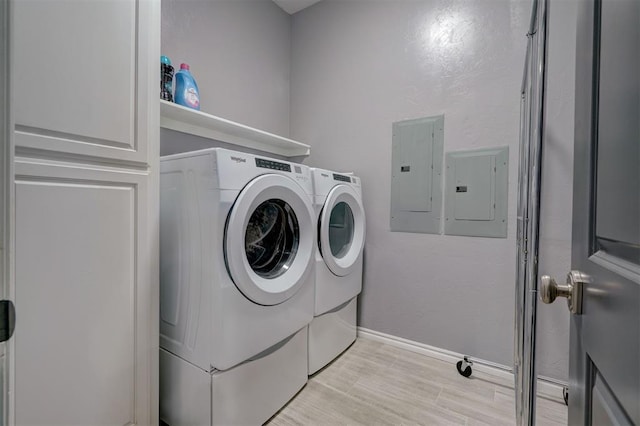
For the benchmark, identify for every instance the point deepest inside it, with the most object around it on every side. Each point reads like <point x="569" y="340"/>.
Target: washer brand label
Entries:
<point x="239" y="159"/>
<point x="324" y="175"/>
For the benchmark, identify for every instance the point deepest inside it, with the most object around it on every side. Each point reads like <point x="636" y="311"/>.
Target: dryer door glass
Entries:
<point x="272" y="238"/>
<point x="340" y="229"/>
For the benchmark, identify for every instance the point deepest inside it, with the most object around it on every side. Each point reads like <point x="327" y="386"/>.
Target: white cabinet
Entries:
<point x="80" y="338"/>
<point x="80" y="76"/>
<point x="75" y="69"/>
<point x="84" y="211"/>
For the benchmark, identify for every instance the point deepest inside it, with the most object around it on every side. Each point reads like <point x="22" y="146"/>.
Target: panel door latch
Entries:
<point x="7" y="320"/>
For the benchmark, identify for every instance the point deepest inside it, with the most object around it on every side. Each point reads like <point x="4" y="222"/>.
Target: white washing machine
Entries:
<point x="338" y="277"/>
<point x="237" y="244"/>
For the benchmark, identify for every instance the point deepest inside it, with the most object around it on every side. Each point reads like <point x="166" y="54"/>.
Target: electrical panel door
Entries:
<point x="416" y="176"/>
<point x="476" y="193"/>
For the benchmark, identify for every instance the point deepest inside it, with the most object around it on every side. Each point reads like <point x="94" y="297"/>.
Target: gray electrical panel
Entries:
<point x="476" y="193"/>
<point x="416" y="175"/>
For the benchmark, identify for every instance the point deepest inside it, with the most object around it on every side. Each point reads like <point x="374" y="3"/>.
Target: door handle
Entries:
<point x="572" y="290"/>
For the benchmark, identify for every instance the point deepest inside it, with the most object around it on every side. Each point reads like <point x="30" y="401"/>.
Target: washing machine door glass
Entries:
<point x="269" y="239"/>
<point x="341" y="230"/>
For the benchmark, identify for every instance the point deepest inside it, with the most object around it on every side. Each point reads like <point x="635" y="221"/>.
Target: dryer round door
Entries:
<point x="269" y="239"/>
<point x="342" y="230"/>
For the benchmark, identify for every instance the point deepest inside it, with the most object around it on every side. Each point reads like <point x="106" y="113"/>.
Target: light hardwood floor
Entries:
<point x="374" y="383"/>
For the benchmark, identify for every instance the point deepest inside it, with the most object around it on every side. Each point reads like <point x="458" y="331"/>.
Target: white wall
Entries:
<point x="239" y="53"/>
<point x="359" y="66"/>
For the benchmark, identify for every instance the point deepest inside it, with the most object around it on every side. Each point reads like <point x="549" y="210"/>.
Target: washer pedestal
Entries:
<point x="249" y="393"/>
<point x="330" y="334"/>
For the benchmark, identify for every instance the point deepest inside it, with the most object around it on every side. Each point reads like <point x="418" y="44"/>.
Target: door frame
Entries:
<point x="7" y="289"/>
<point x="584" y="158"/>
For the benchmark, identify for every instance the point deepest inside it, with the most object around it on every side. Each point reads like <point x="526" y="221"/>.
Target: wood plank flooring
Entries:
<point x="376" y="384"/>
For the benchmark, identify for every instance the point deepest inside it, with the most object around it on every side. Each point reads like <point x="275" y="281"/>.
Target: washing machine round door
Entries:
<point x="269" y="239"/>
<point x="341" y="230"/>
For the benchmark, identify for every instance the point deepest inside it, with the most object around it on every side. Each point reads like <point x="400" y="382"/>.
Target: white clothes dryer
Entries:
<point x="339" y="252"/>
<point x="237" y="244"/>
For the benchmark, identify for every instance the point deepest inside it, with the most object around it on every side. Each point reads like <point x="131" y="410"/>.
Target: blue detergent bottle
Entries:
<point x="186" y="89"/>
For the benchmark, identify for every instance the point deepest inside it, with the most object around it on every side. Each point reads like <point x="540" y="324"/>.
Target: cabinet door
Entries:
<point x="83" y="211"/>
<point x="80" y="74"/>
<point x="83" y="290"/>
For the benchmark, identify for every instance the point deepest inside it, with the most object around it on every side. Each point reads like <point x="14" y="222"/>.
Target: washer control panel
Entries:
<point x="273" y="165"/>
<point x="341" y="178"/>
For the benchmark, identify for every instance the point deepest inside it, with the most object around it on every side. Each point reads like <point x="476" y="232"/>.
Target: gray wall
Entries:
<point x="239" y="53"/>
<point x="359" y="66"/>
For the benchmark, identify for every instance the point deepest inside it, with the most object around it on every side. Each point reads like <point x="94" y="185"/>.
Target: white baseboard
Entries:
<point x="548" y="388"/>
